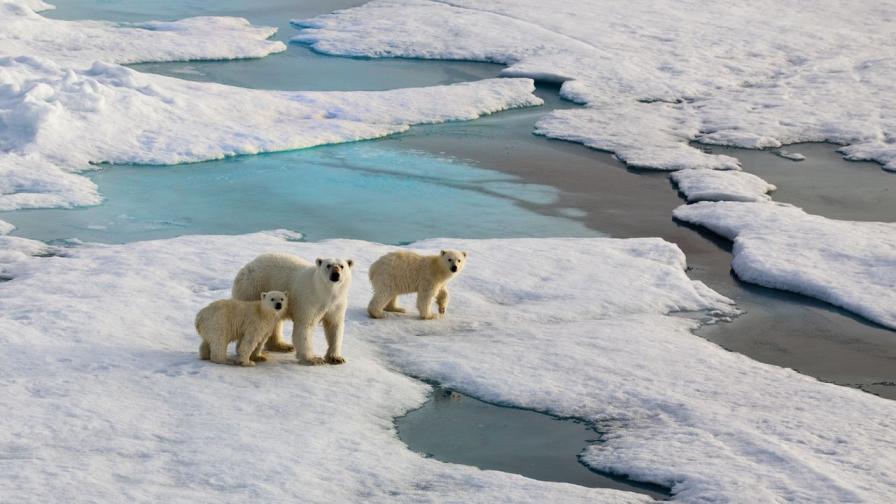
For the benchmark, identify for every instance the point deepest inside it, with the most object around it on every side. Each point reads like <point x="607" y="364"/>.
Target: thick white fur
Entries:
<point x="404" y="272"/>
<point x="313" y="298"/>
<point x="249" y="322"/>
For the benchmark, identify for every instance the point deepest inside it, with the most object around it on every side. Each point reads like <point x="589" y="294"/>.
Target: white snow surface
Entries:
<point x="5" y="227"/>
<point x="717" y="185"/>
<point x="105" y="398"/>
<point x="846" y="263"/>
<point x="657" y="74"/>
<point x="67" y="104"/>
<point x="25" y="32"/>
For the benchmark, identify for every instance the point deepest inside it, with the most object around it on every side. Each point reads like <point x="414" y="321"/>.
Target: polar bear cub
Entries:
<point x="249" y="322"/>
<point x="404" y="272"/>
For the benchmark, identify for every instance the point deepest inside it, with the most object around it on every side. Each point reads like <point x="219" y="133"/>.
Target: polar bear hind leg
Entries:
<point x="393" y="306"/>
<point x="204" y="351"/>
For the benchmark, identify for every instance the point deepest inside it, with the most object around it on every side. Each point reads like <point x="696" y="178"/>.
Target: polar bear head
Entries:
<point x="454" y="260"/>
<point x="274" y="300"/>
<point x="335" y="271"/>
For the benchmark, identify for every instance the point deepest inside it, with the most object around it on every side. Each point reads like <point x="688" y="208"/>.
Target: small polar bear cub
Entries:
<point x="249" y="322"/>
<point x="404" y="272"/>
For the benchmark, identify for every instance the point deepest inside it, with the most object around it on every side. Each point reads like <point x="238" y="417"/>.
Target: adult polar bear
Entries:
<point x="317" y="294"/>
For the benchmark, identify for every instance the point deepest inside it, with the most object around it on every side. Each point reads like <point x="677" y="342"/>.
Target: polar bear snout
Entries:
<point x="275" y="299"/>
<point x="454" y="268"/>
<point x="335" y="270"/>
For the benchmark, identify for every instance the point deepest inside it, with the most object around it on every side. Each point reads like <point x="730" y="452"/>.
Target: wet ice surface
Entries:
<point x="824" y="184"/>
<point x="361" y="190"/>
<point x="453" y="427"/>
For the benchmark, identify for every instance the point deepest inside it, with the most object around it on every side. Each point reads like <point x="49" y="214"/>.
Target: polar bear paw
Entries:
<point x="278" y="346"/>
<point x="335" y="359"/>
<point x="313" y="360"/>
<point x="259" y="358"/>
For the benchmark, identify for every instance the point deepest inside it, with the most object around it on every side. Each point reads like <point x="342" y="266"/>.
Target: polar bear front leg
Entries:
<point x="333" y="328"/>
<point x="442" y="300"/>
<point x="379" y="301"/>
<point x="275" y="342"/>
<point x="248" y="346"/>
<point x="424" y="303"/>
<point x="301" y="338"/>
<point x="218" y="352"/>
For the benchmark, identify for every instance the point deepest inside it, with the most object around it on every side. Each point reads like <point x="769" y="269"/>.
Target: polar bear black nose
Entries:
<point x="278" y="306"/>
<point x="334" y="276"/>
<point x="453" y="269"/>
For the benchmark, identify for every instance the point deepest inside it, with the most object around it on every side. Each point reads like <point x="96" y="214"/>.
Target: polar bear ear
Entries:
<point x="319" y="261"/>
<point x="444" y="252"/>
<point x="264" y="295"/>
<point x="351" y="263"/>
<point x="464" y="253"/>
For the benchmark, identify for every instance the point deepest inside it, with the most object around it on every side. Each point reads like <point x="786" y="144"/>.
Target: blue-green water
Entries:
<point x="362" y="190"/>
<point x="376" y="190"/>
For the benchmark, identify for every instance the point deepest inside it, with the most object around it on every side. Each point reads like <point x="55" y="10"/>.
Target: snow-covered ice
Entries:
<point x="25" y="32"/>
<point x="66" y="105"/>
<point x="716" y="185"/>
<point x="5" y="227"/>
<point x="105" y="398"/>
<point x="846" y="263"/>
<point x="655" y="75"/>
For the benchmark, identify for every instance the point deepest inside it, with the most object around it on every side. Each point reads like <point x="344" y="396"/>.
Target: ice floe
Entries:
<point x="716" y="185"/>
<point x="104" y="395"/>
<point x="846" y="263"/>
<point x="66" y="104"/>
<point x="655" y="75"/>
<point x="25" y="32"/>
<point x="5" y="227"/>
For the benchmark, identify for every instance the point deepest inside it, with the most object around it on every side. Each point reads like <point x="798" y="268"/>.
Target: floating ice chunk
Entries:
<point x="786" y="154"/>
<point x="653" y="136"/>
<point x="715" y="185"/>
<point x="576" y="327"/>
<point x="749" y="79"/>
<point x="5" y="227"/>
<point x="845" y="263"/>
